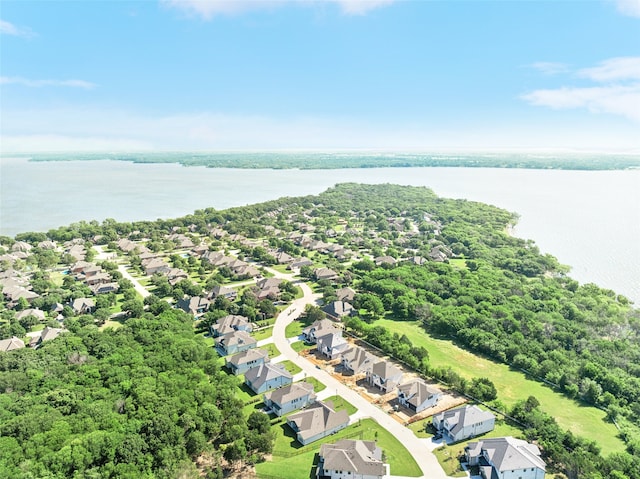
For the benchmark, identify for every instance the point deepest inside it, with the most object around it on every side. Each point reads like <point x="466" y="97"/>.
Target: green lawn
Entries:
<point x="339" y="403"/>
<point x="272" y="349"/>
<point x="448" y="455"/>
<point x="291" y="367"/>
<point x="292" y="461"/>
<point x="301" y="345"/>
<point x="317" y="385"/>
<point x="293" y="329"/>
<point x="583" y="420"/>
<point x="458" y="263"/>
<point x="263" y="333"/>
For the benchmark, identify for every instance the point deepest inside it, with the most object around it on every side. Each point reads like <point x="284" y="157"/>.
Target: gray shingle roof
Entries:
<point x="358" y="457"/>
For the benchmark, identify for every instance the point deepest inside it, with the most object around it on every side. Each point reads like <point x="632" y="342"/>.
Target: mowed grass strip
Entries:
<point x="512" y="386"/>
<point x="293" y="461"/>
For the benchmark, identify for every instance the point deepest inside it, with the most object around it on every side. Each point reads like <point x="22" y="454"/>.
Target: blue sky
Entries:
<point x="324" y="74"/>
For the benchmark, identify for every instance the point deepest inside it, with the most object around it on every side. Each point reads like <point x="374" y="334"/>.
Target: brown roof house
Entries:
<point x="317" y="421"/>
<point x="240" y="363"/>
<point x="384" y="376"/>
<point x="417" y="395"/>
<point x="267" y="376"/>
<point x="463" y="422"/>
<point x="505" y="458"/>
<point x="349" y="459"/>
<point x="290" y="398"/>
<point x="83" y="305"/>
<point x="47" y="334"/>
<point x="11" y="344"/>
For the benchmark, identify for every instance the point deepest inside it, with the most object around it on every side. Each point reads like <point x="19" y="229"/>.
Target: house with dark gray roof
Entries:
<point x="290" y="398"/>
<point x="240" y="363"/>
<point x="235" y="342"/>
<point x="417" y="395"/>
<point x="349" y="459"/>
<point x="338" y="309"/>
<point x="384" y="375"/>
<point x="196" y="305"/>
<point x="229" y="293"/>
<point x="267" y="376"/>
<point x="346" y="294"/>
<point x="506" y="458"/>
<point x="463" y="422"/>
<point x="317" y="329"/>
<point x="317" y="421"/>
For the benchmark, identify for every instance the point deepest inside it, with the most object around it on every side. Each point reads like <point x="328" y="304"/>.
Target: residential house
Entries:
<point x="463" y="422"/>
<point x="506" y="458"/>
<point x="326" y="274"/>
<point x="346" y="294"/>
<point x="196" y="305"/>
<point x="338" y="309"/>
<point x="349" y="459"/>
<point x="240" y="363"/>
<point x="229" y="293"/>
<point x="105" y="288"/>
<point x="417" y="395"/>
<point x="269" y="288"/>
<point x="83" y="305"/>
<point x="317" y="421"/>
<point x="357" y="360"/>
<point x="290" y="398"/>
<point x="385" y="261"/>
<point x="235" y="342"/>
<point x="332" y="345"/>
<point x="318" y="328"/>
<point x="299" y="263"/>
<point x="11" y="344"/>
<point x="267" y="376"/>
<point x="47" y="334"/>
<point x="384" y="375"/>
<point x="230" y="323"/>
<point x="155" y="265"/>
<point x="36" y="313"/>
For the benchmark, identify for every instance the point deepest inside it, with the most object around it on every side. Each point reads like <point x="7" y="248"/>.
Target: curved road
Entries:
<point x="420" y="449"/>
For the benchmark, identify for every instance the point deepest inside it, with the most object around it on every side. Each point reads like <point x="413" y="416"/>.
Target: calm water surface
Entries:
<point x="589" y="220"/>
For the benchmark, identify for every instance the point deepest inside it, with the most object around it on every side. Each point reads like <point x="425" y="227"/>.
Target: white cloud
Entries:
<point x="621" y="68"/>
<point x="208" y="9"/>
<point x="617" y="92"/>
<point x="7" y="28"/>
<point x="42" y="83"/>
<point x="629" y="7"/>
<point x="550" y="68"/>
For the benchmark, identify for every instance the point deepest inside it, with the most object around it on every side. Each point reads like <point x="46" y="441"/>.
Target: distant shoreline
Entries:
<point x="336" y="161"/>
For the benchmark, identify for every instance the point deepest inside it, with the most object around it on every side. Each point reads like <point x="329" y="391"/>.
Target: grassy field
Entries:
<point x="292" y="367"/>
<point x="262" y="334"/>
<point x="292" y="461"/>
<point x="317" y="385"/>
<point x="512" y="386"/>
<point x="293" y="329"/>
<point x="301" y="345"/>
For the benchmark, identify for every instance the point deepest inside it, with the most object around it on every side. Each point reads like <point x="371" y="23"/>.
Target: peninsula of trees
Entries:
<point x="133" y="387"/>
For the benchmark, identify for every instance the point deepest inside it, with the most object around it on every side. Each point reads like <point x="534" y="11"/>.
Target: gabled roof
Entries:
<point x="230" y="323"/>
<point x="235" y="338"/>
<point x="266" y="372"/>
<point x="358" y="359"/>
<point x="11" y="344"/>
<point x="508" y="453"/>
<point x="320" y="327"/>
<point x="318" y="418"/>
<point x="337" y="309"/>
<point x="417" y="391"/>
<point x="465" y="416"/>
<point x="345" y="294"/>
<point x="38" y="313"/>
<point x="332" y="340"/>
<point x="358" y="457"/>
<point x="290" y="392"/>
<point x="247" y="356"/>
<point x="385" y="369"/>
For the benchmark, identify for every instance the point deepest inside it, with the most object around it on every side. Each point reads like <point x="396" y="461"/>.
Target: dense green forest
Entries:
<point x="140" y="401"/>
<point x="314" y="161"/>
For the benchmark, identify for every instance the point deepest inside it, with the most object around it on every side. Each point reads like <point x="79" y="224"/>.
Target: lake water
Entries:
<point x="589" y="220"/>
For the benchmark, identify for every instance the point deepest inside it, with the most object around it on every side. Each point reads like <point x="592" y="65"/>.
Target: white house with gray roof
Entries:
<point x="417" y="395"/>
<point x="348" y="459"/>
<point x="240" y="363"/>
<point x="332" y="345"/>
<point x="230" y="323"/>
<point x="235" y="342"/>
<point x="463" y="422"/>
<point x="357" y="360"/>
<point x="267" y="376"/>
<point x="384" y="375"/>
<point x="290" y="398"/>
<point x="317" y="421"/>
<point x="506" y="458"/>
<point x="318" y="328"/>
